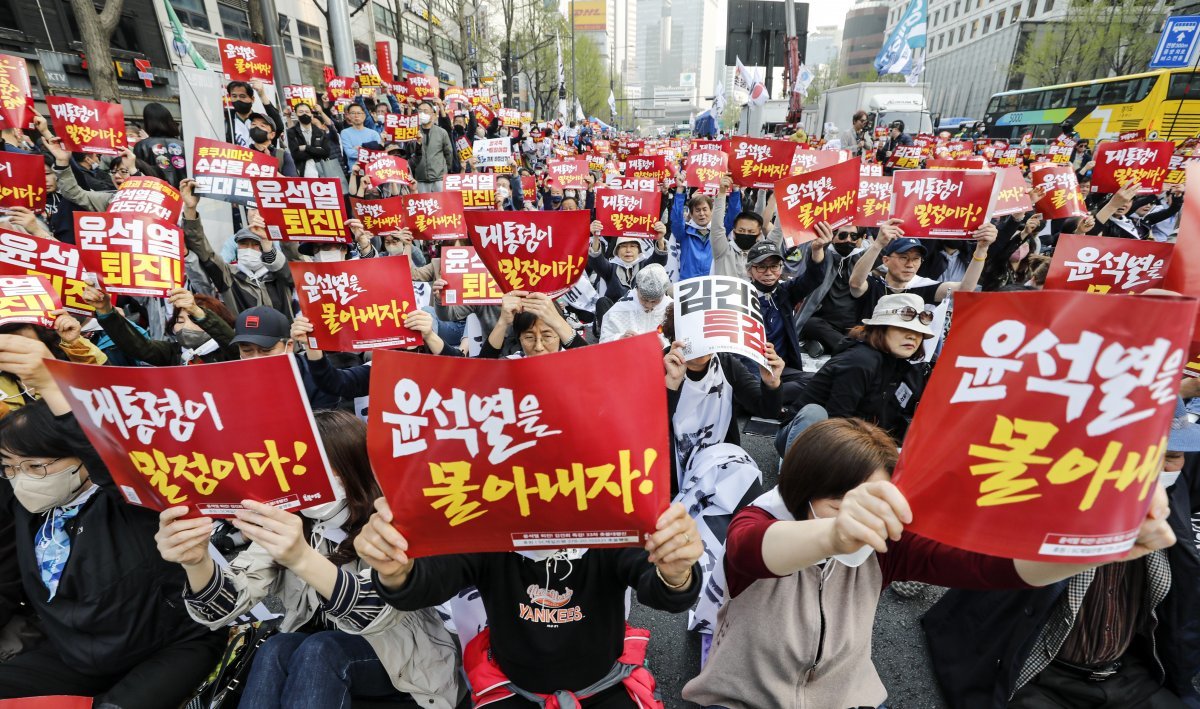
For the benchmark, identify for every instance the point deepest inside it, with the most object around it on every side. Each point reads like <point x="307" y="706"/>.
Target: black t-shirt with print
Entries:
<point x="877" y="288"/>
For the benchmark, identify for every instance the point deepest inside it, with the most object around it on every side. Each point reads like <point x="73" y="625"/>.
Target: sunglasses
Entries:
<point x="846" y="235"/>
<point x="908" y="314"/>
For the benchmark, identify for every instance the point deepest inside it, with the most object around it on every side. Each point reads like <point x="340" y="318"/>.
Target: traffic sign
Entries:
<point x="1177" y="43"/>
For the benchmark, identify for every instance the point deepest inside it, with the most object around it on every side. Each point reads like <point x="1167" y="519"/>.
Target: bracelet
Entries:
<point x="670" y="585"/>
<point x="976" y="258"/>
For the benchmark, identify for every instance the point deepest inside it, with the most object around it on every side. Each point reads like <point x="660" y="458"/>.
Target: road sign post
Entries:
<point x="1178" y="42"/>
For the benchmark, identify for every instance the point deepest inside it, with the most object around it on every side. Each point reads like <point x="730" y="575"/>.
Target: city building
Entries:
<point x="862" y="36"/>
<point x="823" y="45"/>
<point x="674" y="51"/>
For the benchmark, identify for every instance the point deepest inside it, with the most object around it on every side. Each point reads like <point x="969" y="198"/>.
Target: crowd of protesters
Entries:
<point x="103" y="599"/>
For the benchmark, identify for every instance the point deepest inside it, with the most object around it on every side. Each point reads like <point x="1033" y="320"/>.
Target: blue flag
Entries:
<point x="897" y="52"/>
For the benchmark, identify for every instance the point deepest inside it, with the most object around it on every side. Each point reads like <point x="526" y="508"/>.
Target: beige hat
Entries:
<point x="889" y="309"/>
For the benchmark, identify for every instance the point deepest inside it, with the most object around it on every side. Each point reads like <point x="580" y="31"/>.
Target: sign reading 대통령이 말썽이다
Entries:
<point x="22" y="181"/>
<point x="535" y="252"/>
<point x="627" y="213"/>
<point x="489" y="456"/>
<point x="942" y="204"/>
<point x="1119" y="163"/>
<point x="1045" y="424"/>
<point x="88" y="126"/>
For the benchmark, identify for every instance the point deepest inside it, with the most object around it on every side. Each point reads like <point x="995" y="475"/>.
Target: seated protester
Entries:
<point x="64" y="341"/>
<point x="643" y="308"/>
<point x="692" y="233"/>
<point x="902" y="259"/>
<point x="537" y="325"/>
<point x="264" y="332"/>
<point x="1113" y="218"/>
<point x="729" y="253"/>
<point x="805" y="565"/>
<point x="1010" y="261"/>
<point x="874" y="378"/>
<point x="831" y="310"/>
<point x="1121" y="635"/>
<point x="338" y="640"/>
<point x="1161" y="213"/>
<point x="201" y="329"/>
<point x="67" y="184"/>
<point x="262" y="138"/>
<point x="107" y="604"/>
<point x="701" y="393"/>
<point x="628" y="258"/>
<point x="519" y="662"/>
<point x="259" y="276"/>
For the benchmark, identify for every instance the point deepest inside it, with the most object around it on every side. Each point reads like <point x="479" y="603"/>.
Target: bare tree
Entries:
<point x="95" y="29"/>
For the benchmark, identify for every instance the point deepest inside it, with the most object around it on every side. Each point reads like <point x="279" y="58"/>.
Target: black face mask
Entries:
<point x="844" y="248"/>
<point x="744" y="241"/>
<point x="556" y="202"/>
<point x="305" y="118"/>
<point x="258" y="135"/>
<point x="243" y="107"/>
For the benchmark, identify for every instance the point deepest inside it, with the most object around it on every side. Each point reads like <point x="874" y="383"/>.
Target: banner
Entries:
<point x="957" y="164"/>
<point x="492" y="152"/>
<point x="246" y="61"/>
<point x="465" y="151"/>
<point x="468" y="281"/>
<point x="387" y="168"/>
<point x="87" y="126"/>
<point x="27" y="299"/>
<point x="1101" y="264"/>
<point x="570" y="173"/>
<point x="589" y="16"/>
<point x="805" y="160"/>
<point x="296" y="94"/>
<point x="825" y="195"/>
<point x="1062" y="198"/>
<point x="521" y="466"/>
<point x="226" y="171"/>
<point x="904" y="157"/>
<point x="704" y="169"/>
<point x="649" y="167"/>
<point x="1176" y="172"/>
<point x="421" y="86"/>
<point x="367" y="77"/>
<point x="378" y="216"/>
<point x="401" y="129"/>
<point x="60" y="264"/>
<point x="874" y="200"/>
<point x="1045" y="424"/>
<point x="15" y="92"/>
<point x="22" y="180"/>
<point x="1012" y="196"/>
<point x="1184" y="272"/>
<point x="301" y="208"/>
<point x="1146" y="162"/>
<point x="509" y="117"/>
<point x="628" y="213"/>
<point x="719" y="314"/>
<point x="434" y="215"/>
<point x="384" y="62"/>
<point x="942" y="203"/>
<point x="538" y="252"/>
<point x="131" y="254"/>
<point x="169" y="437"/>
<point x="147" y="195"/>
<point x="340" y="89"/>
<point x="529" y="189"/>
<point x="358" y="304"/>
<point x="757" y="162"/>
<point x="478" y="189"/>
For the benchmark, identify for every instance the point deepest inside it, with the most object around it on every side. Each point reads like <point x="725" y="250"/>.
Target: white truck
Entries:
<point x="888" y="101"/>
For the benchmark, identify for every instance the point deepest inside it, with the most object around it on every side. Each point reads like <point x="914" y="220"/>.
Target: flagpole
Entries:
<point x="574" y="92"/>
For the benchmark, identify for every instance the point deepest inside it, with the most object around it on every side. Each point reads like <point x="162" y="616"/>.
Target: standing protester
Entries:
<point x="355" y="134"/>
<point x="163" y="150"/>
<point x="435" y="153"/>
<point x="896" y="138"/>
<point x="308" y="142"/>
<point x="238" y="116"/>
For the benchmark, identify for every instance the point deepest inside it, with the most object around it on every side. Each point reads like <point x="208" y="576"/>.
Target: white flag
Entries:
<point x="719" y="99"/>
<point x="612" y="102"/>
<point x="758" y="91"/>
<point x="579" y="116"/>
<point x="741" y="77"/>
<point x="915" y="69"/>
<point x="804" y="79"/>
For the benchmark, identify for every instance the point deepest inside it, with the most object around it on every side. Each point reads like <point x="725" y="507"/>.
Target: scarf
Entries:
<point x="703" y="414"/>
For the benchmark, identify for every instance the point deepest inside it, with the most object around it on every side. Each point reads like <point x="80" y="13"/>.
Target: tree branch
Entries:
<point x="110" y="15"/>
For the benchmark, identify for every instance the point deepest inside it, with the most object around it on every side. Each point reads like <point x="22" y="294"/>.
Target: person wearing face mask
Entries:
<point x="259" y="276"/>
<point x="201" y="327"/>
<point x="71" y="188"/>
<point x="805" y="565"/>
<point x="308" y="143"/>
<point x="338" y="639"/>
<point x="1011" y="261"/>
<point x="619" y="270"/>
<point x="262" y="138"/>
<point x="435" y="153"/>
<point x="693" y="233"/>
<point x="95" y="174"/>
<point x="325" y="252"/>
<point x="831" y="310"/>
<point x="238" y="116"/>
<point x="108" y="607"/>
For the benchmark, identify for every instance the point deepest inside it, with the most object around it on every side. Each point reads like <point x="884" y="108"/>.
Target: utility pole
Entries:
<point x="574" y="92"/>
<point x="271" y="35"/>
<point x="340" y="40"/>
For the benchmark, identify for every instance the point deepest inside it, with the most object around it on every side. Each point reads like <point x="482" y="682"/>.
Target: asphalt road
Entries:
<point x="899" y="645"/>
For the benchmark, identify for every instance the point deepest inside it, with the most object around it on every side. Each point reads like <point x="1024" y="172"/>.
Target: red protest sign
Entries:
<point x="570" y="173"/>
<point x="956" y="164"/>
<point x="301" y="208"/>
<point x="1044" y="424"/>
<point x="1062" y="198"/>
<point x="383" y="60"/>
<point x="132" y="254"/>
<point x="529" y="189"/>
<point x="340" y="89"/>
<point x="15" y="91"/>
<point x="468" y="281"/>
<point x="378" y="216"/>
<point x="1132" y="135"/>
<point x="1183" y="276"/>
<point x="27" y="299"/>
<point x="226" y="171"/>
<point x="246" y="61"/>
<point x="489" y="456"/>
<point x="874" y="200"/>
<point x="942" y="203"/>
<point x="704" y="169"/>
<point x="59" y="263"/>
<point x="58" y="701"/>
<point x="478" y="189"/>
<point x="171" y="438"/>
<point x="538" y="252"/>
<point x="358" y="304"/>
<point x="88" y="126"/>
<point x="147" y="195"/>
<point x="1146" y="162"/>
<point x="1101" y="264"/>
<point x="713" y="146"/>
<point x="367" y="77"/>
<point x="387" y="168"/>
<point x="1176" y="174"/>
<point x="22" y="181"/>
<point x="805" y="160"/>
<point x="826" y="195"/>
<point x="1013" y="194"/>
<point x="719" y="314"/>
<point x="296" y="94"/>
<point x="402" y="128"/>
<point x="627" y="213"/>
<point x="905" y="157"/>
<point x="434" y="215"/>
<point x="421" y="86"/>
<point x="648" y="167"/>
<point x="758" y="162"/>
<point x="1007" y="157"/>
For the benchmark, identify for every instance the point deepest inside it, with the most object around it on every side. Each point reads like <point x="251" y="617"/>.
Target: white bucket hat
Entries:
<point x="892" y="310"/>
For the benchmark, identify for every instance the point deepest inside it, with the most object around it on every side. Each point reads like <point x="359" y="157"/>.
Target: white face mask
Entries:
<point x="331" y="508"/>
<point x="853" y="559"/>
<point x="250" y="259"/>
<point x="394" y="249"/>
<point x="1167" y="478"/>
<point x="55" y="490"/>
<point x="425" y="118"/>
<point x="328" y="255"/>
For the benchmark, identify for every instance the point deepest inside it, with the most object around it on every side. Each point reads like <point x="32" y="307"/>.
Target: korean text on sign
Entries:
<point x="22" y="181"/>
<point x="1100" y="264"/>
<point x="494" y="458"/>
<point x="27" y="299"/>
<point x="478" y="189"/>
<point x="61" y="264"/>
<point x="132" y="254"/>
<point x="827" y="195"/>
<point x="942" y="203"/>
<point x="147" y="195"/>
<point x="1044" y="424"/>
<point x="542" y="252"/>
<point x="301" y="208"/>
<point x="719" y="314"/>
<point x="88" y="126"/>
<point x="226" y="171"/>
<point x="468" y="281"/>
<point x="357" y="305"/>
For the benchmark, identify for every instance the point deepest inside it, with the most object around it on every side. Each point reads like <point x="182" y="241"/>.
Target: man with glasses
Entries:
<point x="832" y="309"/>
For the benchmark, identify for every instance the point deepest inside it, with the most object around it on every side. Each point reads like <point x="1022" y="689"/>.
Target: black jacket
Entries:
<point x="316" y="148"/>
<point x="979" y="640"/>
<point x="788" y="294"/>
<point x="118" y="603"/>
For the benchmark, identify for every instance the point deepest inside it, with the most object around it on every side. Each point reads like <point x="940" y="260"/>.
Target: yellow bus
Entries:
<point x="1166" y="103"/>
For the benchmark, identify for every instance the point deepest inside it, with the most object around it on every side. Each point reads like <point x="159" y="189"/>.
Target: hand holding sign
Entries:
<point x="280" y="533"/>
<point x="184" y="541"/>
<point x="23" y="357"/>
<point x="869" y="515"/>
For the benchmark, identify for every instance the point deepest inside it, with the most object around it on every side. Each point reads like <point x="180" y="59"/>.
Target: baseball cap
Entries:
<point x="762" y="251"/>
<point x="261" y="325"/>
<point x="899" y="246"/>
<point x="1183" y="436"/>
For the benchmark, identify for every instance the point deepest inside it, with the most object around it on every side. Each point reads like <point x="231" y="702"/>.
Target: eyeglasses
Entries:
<point x="774" y="266"/>
<point x="33" y="470"/>
<point x="908" y="314"/>
<point x="531" y="339"/>
<point x="120" y="171"/>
